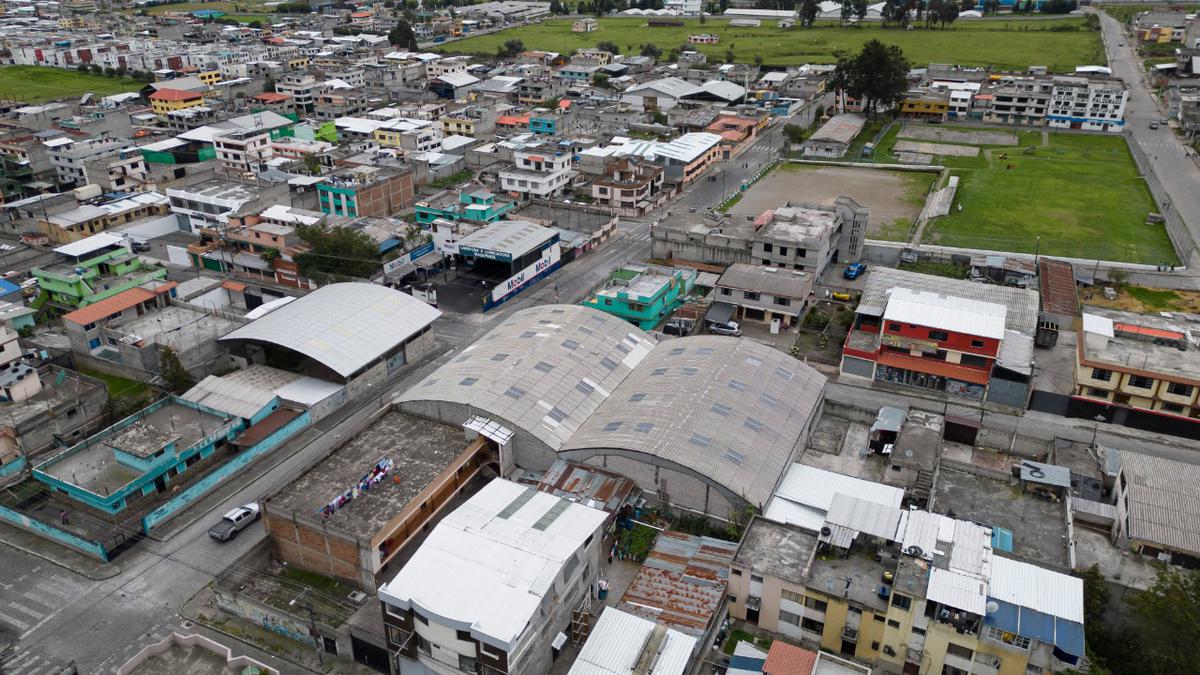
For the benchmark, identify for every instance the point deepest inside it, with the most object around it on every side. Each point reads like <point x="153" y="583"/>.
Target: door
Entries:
<point x="160" y="484"/>
<point x="752" y="615"/>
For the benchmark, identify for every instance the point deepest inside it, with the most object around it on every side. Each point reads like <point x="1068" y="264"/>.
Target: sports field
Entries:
<point x="37" y="83"/>
<point x="1081" y="193"/>
<point x="1015" y="44"/>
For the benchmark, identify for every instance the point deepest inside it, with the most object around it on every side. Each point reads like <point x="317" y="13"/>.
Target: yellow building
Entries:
<point x="209" y="77"/>
<point x="297" y="64"/>
<point x="462" y="126"/>
<point x="1137" y="361"/>
<point x="167" y="100"/>
<point x="925" y="106"/>
<point x="387" y="138"/>
<point x="908" y="601"/>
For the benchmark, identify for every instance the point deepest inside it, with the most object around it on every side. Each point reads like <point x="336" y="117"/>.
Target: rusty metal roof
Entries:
<point x="1059" y="293"/>
<point x="682" y="582"/>
<point x="587" y="485"/>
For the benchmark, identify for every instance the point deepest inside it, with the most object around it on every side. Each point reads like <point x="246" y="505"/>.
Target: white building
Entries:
<point x="244" y="150"/>
<point x="207" y="204"/>
<point x="1087" y="103"/>
<point x="620" y="642"/>
<point x="68" y="156"/>
<point x="493" y="586"/>
<point x="537" y="172"/>
<point x="684" y="7"/>
<point x="301" y="87"/>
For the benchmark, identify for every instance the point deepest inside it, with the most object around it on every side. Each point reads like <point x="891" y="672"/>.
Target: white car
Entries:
<point x="234" y="521"/>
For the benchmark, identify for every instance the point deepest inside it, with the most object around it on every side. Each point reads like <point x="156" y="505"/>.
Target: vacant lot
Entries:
<point x="894" y="197"/>
<point x="1007" y="45"/>
<point x="1080" y="193"/>
<point x="35" y="83"/>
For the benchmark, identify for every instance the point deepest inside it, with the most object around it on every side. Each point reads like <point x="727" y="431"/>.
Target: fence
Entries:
<point x="1177" y="230"/>
<point x="53" y="533"/>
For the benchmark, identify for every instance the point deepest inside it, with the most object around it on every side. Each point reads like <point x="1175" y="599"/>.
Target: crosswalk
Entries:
<point x="27" y="602"/>
<point x="20" y="662"/>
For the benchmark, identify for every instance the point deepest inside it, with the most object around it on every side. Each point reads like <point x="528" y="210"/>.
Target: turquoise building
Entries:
<point x="643" y="294"/>
<point x="476" y="206"/>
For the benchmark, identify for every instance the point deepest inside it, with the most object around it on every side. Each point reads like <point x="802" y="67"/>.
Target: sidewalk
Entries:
<point x="64" y="557"/>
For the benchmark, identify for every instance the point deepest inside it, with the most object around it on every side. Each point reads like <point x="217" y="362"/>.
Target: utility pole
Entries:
<point x="312" y="625"/>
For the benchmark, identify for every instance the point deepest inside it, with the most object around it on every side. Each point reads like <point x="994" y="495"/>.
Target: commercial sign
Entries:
<point x="394" y="265"/>
<point x="485" y="253"/>
<point x="549" y="260"/>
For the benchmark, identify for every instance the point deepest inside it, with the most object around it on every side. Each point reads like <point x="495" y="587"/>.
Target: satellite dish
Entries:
<point x="992" y="607"/>
<point x="825" y="531"/>
<point x="914" y="551"/>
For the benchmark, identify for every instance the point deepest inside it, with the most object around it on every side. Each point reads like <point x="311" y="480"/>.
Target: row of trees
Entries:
<point x="877" y="75"/>
<point x="1161" y="631"/>
<point x="119" y="71"/>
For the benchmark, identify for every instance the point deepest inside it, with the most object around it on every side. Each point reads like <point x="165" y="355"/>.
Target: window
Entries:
<point x="792" y="596"/>
<point x="466" y="663"/>
<point x="878" y="618"/>
<point x="938" y="335"/>
<point x="813" y="626"/>
<point x="783" y="302"/>
<point x="901" y="602"/>
<point x="1101" y="374"/>
<point x="782" y="250"/>
<point x="978" y="344"/>
<point x="767" y="248"/>
<point x="1171" y="408"/>
<point x="893" y="326"/>
<point x="423" y="645"/>
<point x="815" y="605"/>
<point x="738" y="573"/>
<point x="893" y="623"/>
<point x="1102" y="393"/>
<point x="750" y="295"/>
<point x="464" y="635"/>
<point x="755" y="579"/>
<point x="1141" y="382"/>
<point x="1179" y="389"/>
<point x="959" y="651"/>
<point x="973" y="360"/>
<point x="725" y="291"/>
<point x="421" y="618"/>
<point x="788" y="617"/>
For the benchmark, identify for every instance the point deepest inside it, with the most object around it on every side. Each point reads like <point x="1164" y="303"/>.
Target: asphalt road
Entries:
<point x="1179" y="175"/>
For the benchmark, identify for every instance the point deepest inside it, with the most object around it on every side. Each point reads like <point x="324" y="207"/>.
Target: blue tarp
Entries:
<point x="1034" y="624"/>
<point x="1066" y="635"/>
<point x="1006" y="618"/>
<point x="1069" y="637"/>
<point x="1002" y="539"/>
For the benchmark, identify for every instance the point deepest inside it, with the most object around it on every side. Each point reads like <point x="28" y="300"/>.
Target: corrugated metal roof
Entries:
<point x="620" y="641"/>
<point x="875" y="519"/>
<point x="682" y="583"/>
<point x="947" y="312"/>
<point x="960" y="591"/>
<point x="477" y="571"/>
<point x="1037" y="588"/>
<point x="1045" y="474"/>
<point x="237" y="399"/>
<point x="588" y="485"/>
<point x="1162" y="502"/>
<point x="1021" y="304"/>
<point x="806" y="493"/>
<point x="342" y="326"/>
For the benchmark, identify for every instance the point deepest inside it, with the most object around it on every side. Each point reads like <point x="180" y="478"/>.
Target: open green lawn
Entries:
<point x="36" y="83"/>
<point x="118" y="387"/>
<point x="1080" y="193"/>
<point x="1010" y="45"/>
<point x="247" y="7"/>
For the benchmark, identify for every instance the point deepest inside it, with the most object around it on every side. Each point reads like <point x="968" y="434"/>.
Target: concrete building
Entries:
<point x="92" y="269"/>
<point x="1153" y="515"/>
<point x="475" y="206"/>
<point x="68" y="156"/>
<point x="765" y="294"/>
<point x="1020" y="100"/>
<point x="165" y="100"/>
<point x="87" y="218"/>
<point x="794" y="236"/>
<point x="537" y="172"/>
<point x="946" y="335"/>
<point x="629" y="188"/>
<point x="1138" y="361"/>
<point x="621" y="643"/>
<point x="643" y="295"/>
<point x="494" y="584"/>
<point x="209" y="203"/>
<point x="366" y="191"/>
<point x="1089" y="104"/>
<point x="353" y="513"/>
<point x="833" y="139"/>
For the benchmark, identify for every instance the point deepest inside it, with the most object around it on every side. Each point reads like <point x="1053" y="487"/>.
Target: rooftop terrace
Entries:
<point x="420" y="451"/>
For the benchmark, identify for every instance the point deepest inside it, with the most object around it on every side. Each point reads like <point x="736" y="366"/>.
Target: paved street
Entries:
<point x="1179" y="175"/>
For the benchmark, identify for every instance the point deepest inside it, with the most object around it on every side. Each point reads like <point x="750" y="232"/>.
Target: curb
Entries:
<point x="94" y="577"/>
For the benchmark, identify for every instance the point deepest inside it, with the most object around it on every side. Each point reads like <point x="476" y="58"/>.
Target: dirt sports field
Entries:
<point x="894" y="197"/>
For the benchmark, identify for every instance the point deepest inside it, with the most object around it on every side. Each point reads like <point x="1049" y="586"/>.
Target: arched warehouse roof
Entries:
<point x="344" y="327"/>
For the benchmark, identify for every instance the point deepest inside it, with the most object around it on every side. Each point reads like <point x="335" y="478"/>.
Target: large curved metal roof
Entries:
<point x="728" y="410"/>
<point x="345" y="327"/>
<point x="544" y="370"/>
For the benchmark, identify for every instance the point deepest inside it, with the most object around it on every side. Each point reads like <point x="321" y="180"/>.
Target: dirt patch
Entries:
<point x="941" y="149"/>
<point x="1147" y="300"/>
<point x="895" y="198"/>
<point x="929" y="133"/>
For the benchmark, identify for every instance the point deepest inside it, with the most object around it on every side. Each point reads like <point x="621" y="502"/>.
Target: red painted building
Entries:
<point x="928" y="340"/>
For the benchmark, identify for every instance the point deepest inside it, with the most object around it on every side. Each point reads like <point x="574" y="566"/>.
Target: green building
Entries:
<point x="91" y="270"/>
<point x="476" y="206"/>
<point x="643" y="294"/>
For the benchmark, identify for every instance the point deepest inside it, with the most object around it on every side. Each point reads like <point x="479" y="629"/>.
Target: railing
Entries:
<point x="1177" y="230"/>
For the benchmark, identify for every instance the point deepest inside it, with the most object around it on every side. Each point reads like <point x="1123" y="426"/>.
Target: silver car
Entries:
<point x="727" y="328"/>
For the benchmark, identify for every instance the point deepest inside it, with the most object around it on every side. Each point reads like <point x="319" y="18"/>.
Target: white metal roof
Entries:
<point x="724" y="89"/>
<point x="1037" y="588"/>
<point x="813" y="490"/>
<point x="1100" y="325"/>
<point x="933" y="310"/>
<point x="228" y="396"/>
<point x="487" y="566"/>
<point x="687" y="147"/>
<point x="343" y="326"/>
<point x="861" y="515"/>
<point x="514" y="237"/>
<point x="89" y="244"/>
<point x="619" y="640"/>
<point x="673" y="87"/>
<point x="961" y="591"/>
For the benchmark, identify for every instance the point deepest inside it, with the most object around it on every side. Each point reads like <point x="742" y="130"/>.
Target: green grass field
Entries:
<point x="1011" y="45"/>
<point x="119" y="387"/>
<point x="1081" y="194"/>
<point x="36" y="83"/>
<point x="248" y="7"/>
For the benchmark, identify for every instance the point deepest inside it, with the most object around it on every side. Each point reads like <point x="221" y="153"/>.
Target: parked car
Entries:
<point x="854" y="270"/>
<point x="234" y="521"/>
<point x="1154" y="125"/>
<point x="727" y="328"/>
<point x="841" y="295"/>
<point x="141" y="246"/>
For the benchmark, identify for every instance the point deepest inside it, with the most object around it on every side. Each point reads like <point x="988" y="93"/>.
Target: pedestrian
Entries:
<point x="64" y="517"/>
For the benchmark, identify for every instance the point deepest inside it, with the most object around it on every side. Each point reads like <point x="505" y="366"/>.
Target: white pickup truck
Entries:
<point x="234" y="521"/>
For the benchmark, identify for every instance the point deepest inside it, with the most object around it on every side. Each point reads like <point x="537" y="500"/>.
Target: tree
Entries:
<point x="555" y="7"/>
<point x="83" y="68"/>
<point x="729" y="57"/>
<point x="610" y="47"/>
<point x="110" y="71"/>
<point x="652" y="50"/>
<point x="1166" y="621"/>
<point x="174" y="375"/>
<point x="256" y="25"/>
<point x="600" y="80"/>
<point x="122" y="71"/>
<point x="337" y="253"/>
<point x="878" y="75"/>
<point x="268" y="84"/>
<point x="794" y="133"/>
<point x="808" y="13"/>
<point x="758" y="61"/>
<point x="860" y="10"/>
<point x="402" y="36"/>
<point x="312" y="164"/>
<point x="510" y="48"/>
